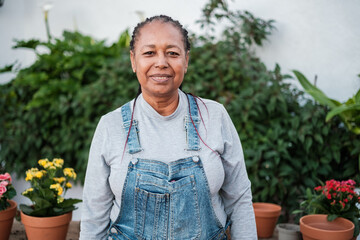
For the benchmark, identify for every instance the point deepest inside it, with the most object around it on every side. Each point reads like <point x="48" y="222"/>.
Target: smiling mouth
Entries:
<point x="161" y="78"/>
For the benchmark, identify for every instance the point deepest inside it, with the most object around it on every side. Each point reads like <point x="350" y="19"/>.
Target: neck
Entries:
<point x="165" y="106"/>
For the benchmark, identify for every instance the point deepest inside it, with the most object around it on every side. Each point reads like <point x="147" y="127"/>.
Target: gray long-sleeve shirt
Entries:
<point x="163" y="138"/>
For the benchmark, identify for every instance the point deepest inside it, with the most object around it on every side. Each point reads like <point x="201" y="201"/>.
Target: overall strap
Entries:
<point x="133" y="144"/>
<point x="192" y="137"/>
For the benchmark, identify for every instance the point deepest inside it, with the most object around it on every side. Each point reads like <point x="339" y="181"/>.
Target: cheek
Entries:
<point x="142" y="67"/>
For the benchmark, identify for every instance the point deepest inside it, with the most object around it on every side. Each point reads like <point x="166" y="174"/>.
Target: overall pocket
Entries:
<point x="185" y="211"/>
<point x="166" y="210"/>
<point x="151" y="209"/>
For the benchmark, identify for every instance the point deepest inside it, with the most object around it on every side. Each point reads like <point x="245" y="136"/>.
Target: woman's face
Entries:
<point x="159" y="59"/>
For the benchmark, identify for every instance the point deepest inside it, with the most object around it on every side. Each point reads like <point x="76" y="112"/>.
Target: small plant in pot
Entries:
<point x="336" y="199"/>
<point x="7" y="206"/>
<point x="48" y="187"/>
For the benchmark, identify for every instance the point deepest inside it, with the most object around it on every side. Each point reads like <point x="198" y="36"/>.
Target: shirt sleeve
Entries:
<point x="97" y="195"/>
<point x="236" y="189"/>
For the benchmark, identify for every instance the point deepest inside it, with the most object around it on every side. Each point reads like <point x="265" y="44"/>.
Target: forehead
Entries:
<point x="158" y="33"/>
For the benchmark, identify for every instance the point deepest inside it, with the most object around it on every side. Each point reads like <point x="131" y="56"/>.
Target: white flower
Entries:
<point x="47" y="6"/>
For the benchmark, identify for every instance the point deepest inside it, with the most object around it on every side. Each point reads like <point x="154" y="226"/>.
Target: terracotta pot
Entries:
<point x="7" y="219"/>
<point x="288" y="231"/>
<point x="266" y="216"/>
<point x="317" y="227"/>
<point x="45" y="228"/>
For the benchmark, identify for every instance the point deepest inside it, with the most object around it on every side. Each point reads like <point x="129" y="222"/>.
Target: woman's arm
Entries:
<point x="97" y="195"/>
<point x="236" y="189"/>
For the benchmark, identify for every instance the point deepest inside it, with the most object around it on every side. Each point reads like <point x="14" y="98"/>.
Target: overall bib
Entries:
<point x="166" y="201"/>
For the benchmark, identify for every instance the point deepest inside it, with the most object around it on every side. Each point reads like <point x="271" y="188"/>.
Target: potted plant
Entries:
<point x="7" y="207"/>
<point x="336" y="199"/>
<point x="50" y="213"/>
<point x="266" y="216"/>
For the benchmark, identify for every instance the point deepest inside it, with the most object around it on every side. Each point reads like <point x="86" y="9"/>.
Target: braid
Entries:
<point x="163" y="19"/>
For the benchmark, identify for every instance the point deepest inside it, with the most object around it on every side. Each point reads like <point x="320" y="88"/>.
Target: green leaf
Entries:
<point x="26" y="209"/>
<point x="7" y="68"/>
<point x="32" y="44"/>
<point x="332" y="217"/>
<point x="308" y="143"/>
<point x="316" y="93"/>
<point x="341" y="109"/>
<point x="69" y="202"/>
<point x="11" y="192"/>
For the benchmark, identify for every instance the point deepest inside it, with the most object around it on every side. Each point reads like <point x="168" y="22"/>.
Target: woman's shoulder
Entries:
<point x="210" y="105"/>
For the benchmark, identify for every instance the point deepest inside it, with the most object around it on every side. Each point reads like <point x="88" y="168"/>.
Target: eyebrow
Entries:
<point x="167" y="47"/>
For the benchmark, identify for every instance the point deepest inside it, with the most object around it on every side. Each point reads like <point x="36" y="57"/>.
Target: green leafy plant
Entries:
<point x="336" y="199"/>
<point x="349" y="111"/>
<point x="52" y="107"/>
<point x="7" y="191"/>
<point x="48" y="188"/>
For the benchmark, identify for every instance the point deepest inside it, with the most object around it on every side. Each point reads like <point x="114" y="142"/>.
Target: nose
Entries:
<point x="161" y="61"/>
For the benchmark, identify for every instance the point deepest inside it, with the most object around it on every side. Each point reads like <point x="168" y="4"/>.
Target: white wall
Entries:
<point x="319" y="37"/>
<point x="316" y="37"/>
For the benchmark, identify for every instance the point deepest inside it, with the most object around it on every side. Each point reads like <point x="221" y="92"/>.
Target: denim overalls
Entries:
<point x="166" y="201"/>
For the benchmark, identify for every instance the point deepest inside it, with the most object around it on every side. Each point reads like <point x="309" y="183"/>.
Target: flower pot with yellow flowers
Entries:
<point x="50" y="213"/>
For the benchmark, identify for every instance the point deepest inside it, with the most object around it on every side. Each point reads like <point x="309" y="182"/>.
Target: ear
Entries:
<point x="187" y="60"/>
<point x="132" y="59"/>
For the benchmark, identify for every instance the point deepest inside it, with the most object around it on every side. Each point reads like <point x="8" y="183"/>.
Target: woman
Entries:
<point x="166" y="165"/>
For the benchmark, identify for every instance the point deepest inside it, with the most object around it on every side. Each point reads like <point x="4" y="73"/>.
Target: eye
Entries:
<point x="149" y="53"/>
<point x="173" y="53"/>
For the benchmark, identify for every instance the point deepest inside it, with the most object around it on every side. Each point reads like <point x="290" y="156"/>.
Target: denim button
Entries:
<point x="134" y="161"/>
<point x="195" y="158"/>
<point x="113" y="230"/>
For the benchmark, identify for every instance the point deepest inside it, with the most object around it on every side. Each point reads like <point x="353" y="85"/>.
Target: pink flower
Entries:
<point x="4" y="183"/>
<point x="2" y="190"/>
<point x="5" y="176"/>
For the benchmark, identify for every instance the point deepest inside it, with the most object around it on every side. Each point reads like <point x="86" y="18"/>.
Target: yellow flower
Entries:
<point x="57" y="187"/>
<point x="27" y="191"/>
<point x="43" y="162"/>
<point x="68" y="185"/>
<point x="59" y="180"/>
<point x="58" y="162"/>
<point x="69" y="172"/>
<point x="39" y="174"/>
<point x="49" y="165"/>
<point x="60" y="191"/>
<point x="60" y="199"/>
<point x="29" y="176"/>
